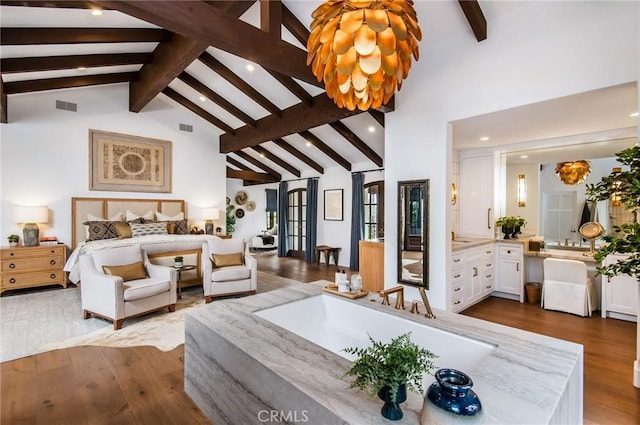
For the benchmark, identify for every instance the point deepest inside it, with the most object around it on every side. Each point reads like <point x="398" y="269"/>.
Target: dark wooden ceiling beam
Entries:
<point x="299" y="155"/>
<point x="66" y="4"/>
<point x="271" y="17"/>
<point x="3" y="103"/>
<point x="324" y="148"/>
<point x="23" y="36"/>
<point x="357" y="142"/>
<point x="377" y="115"/>
<point x="250" y="176"/>
<point x="273" y="158"/>
<point x="205" y="91"/>
<point x="239" y="83"/>
<point x="15" y="87"/>
<point x="260" y="165"/>
<point x="294" y="26"/>
<point x="238" y="164"/>
<point x="196" y="109"/>
<point x="209" y="25"/>
<point x="169" y="60"/>
<point x="294" y="120"/>
<point x="477" y="21"/>
<point x="233" y="7"/>
<point x="50" y="63"/>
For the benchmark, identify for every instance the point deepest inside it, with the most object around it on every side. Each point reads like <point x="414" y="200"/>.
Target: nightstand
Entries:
<point x="32" y="266"/>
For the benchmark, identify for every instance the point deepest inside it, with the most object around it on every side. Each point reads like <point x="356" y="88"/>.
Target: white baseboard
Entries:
<point x="636" y="373"/>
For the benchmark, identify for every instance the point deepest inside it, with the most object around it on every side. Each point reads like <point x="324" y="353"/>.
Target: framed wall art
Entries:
<point x="125" y="163"/>
<point x="333" y="204"/>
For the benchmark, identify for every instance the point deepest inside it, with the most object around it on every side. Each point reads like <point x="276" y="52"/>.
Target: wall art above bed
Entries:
<point x="124" y="163"/>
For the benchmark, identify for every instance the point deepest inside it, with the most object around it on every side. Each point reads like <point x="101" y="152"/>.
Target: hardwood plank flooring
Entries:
<point x="139" y="385"/>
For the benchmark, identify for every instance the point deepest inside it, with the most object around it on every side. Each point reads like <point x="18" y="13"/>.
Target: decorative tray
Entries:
<point x="333" y="289"/>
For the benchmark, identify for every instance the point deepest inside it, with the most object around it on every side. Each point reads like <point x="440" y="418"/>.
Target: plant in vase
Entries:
<point x="519" y="224"/>
<point x="178" y="261"/>
<point x="387" y="369"/>
<point x="508" y="225"/>
<point x="13" y="240"/>
<point x="231" y="219"/>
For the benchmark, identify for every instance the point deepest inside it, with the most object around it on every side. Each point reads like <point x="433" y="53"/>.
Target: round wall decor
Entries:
<point x="241" y="197"/>
<point x="239" y="213"/>
<point x="251" y="206"/>
<point x="228" y="200"/>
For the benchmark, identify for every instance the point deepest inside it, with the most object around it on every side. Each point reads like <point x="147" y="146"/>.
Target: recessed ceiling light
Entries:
<point x="372" y="129"/>
<point x="81" y="68"/>
<point x="635" y="114"/>
<point x="524" y="156"/>
<point x="484" y="138"/>
<point x="203" y="99"/>
<point x="250" y="67"/>
<point x="308" y="144"/>
<point x="96" y="12"/>
<point x="261" y="155"/>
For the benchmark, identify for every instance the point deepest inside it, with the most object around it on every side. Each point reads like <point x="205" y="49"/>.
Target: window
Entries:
<point x="297" y="222"/>
<point x="374" y="210"/>
<point x="272" y="219"/>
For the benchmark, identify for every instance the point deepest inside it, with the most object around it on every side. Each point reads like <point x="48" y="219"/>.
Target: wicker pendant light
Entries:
<point x="362" y="49"/>
<point x="573" y="172"/>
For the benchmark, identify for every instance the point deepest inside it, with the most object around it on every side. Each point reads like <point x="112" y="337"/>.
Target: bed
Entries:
<point x="266" y="241"/>
<point x="161" y="249"/>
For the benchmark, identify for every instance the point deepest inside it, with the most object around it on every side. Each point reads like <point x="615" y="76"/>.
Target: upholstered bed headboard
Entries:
<point x="108" y="207"/>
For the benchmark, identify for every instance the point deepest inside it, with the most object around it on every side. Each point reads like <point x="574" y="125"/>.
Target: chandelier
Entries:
<point x="362" y="49"/>
<point x="573" y="172"/>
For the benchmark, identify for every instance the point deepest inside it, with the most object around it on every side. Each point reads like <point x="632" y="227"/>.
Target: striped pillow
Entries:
<point x="138" y="229"/>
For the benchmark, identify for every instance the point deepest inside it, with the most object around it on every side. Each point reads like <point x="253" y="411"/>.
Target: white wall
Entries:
<point x="536" y="52"/>
<point x="254" y="222"/>
<point x="44" y="153"/>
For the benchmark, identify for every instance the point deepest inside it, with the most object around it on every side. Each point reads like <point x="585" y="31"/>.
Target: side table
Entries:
<point x="180" y="270"/>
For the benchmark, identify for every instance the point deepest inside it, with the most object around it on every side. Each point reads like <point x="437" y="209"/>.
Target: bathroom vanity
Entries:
<point x="279" y="353"/>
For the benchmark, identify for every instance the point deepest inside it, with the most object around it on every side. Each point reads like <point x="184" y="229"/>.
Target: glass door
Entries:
<point x="297" y="223"/>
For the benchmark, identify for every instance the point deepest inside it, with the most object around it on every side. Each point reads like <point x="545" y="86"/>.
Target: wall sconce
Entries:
<point x="454" y="194"/>
<point x="522" y="191"/>
<point x="573" y="172"/>
<point x="616" y="196"/>
<point x="209" y="214"/>
<point x="30" y="216"/>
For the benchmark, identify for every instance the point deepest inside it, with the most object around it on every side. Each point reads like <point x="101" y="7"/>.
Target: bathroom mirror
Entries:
<point x="413" y="232"/>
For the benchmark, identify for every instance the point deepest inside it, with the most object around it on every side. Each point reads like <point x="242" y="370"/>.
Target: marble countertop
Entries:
<point x="528" y="378"/>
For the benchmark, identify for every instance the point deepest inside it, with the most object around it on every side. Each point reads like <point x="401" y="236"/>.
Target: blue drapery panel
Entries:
<point x="283" y="231"/>
<point x="357" y="218"/>
<point x="272" y="200"/>
<point x="312" y="221"/>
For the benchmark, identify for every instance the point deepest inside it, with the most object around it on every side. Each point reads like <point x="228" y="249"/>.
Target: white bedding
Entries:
<point x="155" y="243"/>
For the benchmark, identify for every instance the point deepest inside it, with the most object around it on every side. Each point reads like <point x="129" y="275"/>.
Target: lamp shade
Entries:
<point x="210" y="213"/>
<point x="31" y="214"/>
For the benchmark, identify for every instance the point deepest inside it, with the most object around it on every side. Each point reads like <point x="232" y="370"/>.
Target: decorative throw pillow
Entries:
<point x="98" y="230"/>
<point x="123" y="230"/>
<point x="179" y="227"/>
<point x="117" y="217"/>
<point x="131" y="216"/>
<point x="163" y="217"/>
<point x="127" y="272"/>
<point x="157" y="228"/>
<point x="223" y="260"/>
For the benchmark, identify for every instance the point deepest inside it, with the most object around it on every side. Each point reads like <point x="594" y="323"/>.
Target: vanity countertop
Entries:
<point x="461" y="242"/>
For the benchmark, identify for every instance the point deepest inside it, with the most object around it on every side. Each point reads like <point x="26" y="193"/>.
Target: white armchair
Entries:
<point x="235" y="271"/>
<point x="566" y="287"/>
<point x="116" y="292"/>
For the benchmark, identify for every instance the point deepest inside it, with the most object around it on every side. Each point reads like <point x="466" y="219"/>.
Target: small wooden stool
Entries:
<point x="328" y="251"/>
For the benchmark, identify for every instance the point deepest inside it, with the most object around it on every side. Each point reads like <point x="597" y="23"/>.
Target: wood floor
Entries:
<point x="140" y="385"/>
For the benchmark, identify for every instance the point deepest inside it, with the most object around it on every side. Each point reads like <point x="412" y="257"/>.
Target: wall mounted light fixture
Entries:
<point x="522" y="191"/>
<point x="454" y="194"/>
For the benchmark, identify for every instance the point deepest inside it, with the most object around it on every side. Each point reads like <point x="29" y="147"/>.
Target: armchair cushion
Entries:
<point x="127" y="272"/>
<point x="225" y="274"/>
<point x="223" y="260"/>
<point x="145" y="288"/>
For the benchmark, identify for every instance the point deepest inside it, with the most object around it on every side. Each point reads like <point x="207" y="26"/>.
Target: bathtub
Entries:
<point x="336" y="324"/>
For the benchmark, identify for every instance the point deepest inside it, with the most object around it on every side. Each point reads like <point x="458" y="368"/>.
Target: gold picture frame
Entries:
<point x="126" y="163"/>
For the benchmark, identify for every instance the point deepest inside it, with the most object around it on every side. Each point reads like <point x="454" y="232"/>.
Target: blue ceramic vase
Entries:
<point x="452" y="392"/>
<point x="392" y="410"/>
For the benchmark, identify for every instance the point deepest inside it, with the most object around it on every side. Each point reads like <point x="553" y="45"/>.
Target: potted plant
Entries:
<point x="520" y="222"/>
<point x="388" y="369"/>
<point x="508" y="225"/>
<point x="178" y="261"/>
<point x="13" y="240"/>
<point x="231" y="219"/>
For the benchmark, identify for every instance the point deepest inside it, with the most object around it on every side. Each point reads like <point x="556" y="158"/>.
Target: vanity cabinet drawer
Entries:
<point x="456" y="301"/>
<point x="457" y="261"/>
<point x="509" y="252"/>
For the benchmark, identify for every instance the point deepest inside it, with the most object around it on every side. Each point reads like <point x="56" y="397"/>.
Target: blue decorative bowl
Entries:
<point x="452" y="392"/>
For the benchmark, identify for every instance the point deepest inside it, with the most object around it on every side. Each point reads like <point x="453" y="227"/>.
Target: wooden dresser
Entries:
<point x="372" y="265"/>
<point x="32" y="266"/>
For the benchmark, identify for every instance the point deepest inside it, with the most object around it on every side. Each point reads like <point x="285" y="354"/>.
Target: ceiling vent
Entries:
<point x="66" y="106"/>
<point x="186" y="127"/>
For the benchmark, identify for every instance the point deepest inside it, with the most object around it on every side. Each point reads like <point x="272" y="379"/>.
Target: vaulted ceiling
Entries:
<point x="240" y="65"/>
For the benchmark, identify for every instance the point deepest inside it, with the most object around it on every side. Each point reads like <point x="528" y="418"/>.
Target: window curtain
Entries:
<point x="357" y="219"/>
<point x="272" y="200"/>
<point x="312" y="221"/>
<point x="283" y="212"/>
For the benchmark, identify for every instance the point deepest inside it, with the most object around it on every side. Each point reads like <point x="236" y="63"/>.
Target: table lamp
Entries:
<point x="209" y="214"/>
<point x="30" y="216"/>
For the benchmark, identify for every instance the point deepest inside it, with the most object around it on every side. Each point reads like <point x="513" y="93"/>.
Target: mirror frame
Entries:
<point x="402" y="186"/>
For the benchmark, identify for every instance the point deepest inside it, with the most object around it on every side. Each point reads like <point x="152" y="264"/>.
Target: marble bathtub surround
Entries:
<point x="239" y="368"/>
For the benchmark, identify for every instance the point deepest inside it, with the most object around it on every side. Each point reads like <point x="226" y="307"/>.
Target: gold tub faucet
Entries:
<point x="399" y="290"/>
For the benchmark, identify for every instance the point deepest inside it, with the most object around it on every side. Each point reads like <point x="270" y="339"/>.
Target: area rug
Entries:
<point x="49" y="320"/>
